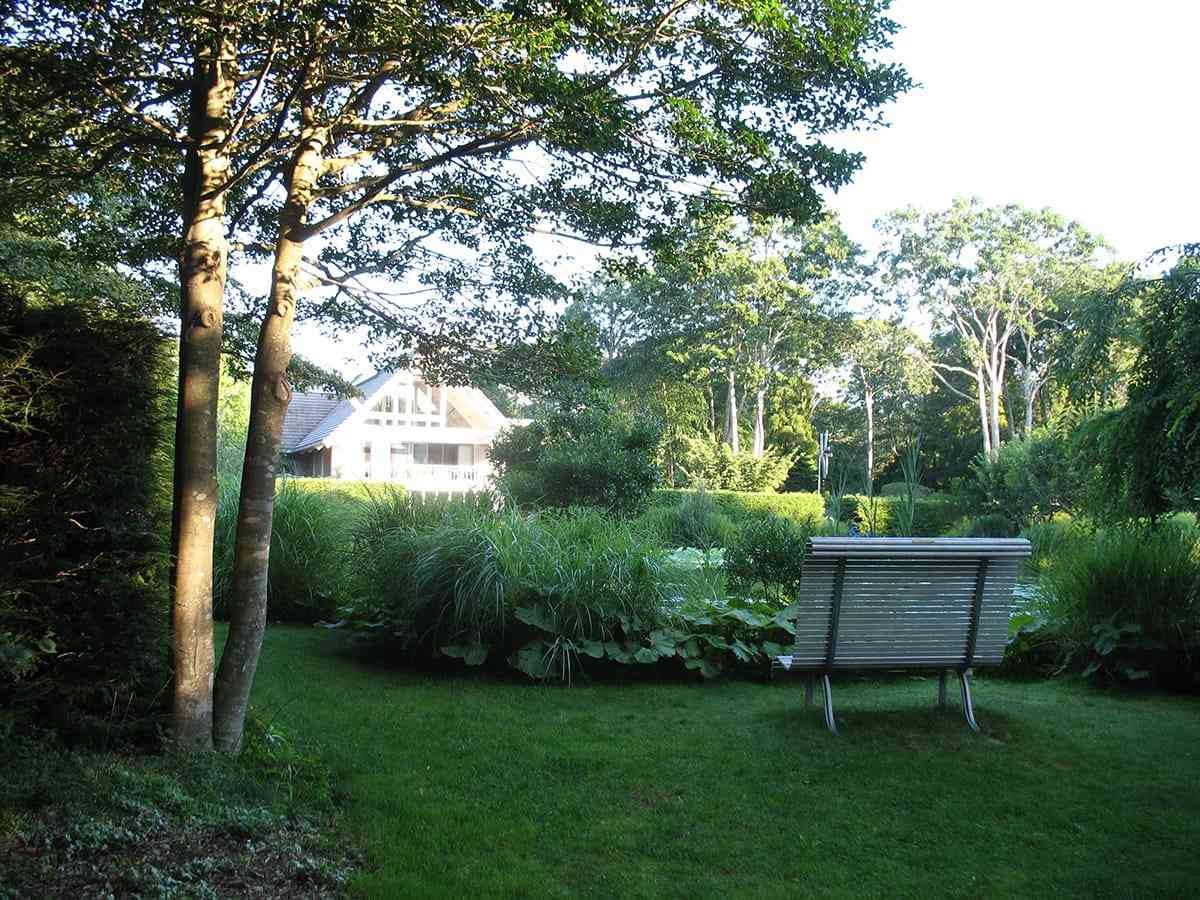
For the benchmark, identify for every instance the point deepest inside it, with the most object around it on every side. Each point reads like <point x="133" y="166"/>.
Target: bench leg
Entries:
<point x="827" y="696"/>
<point x="968" y="707"/>
<point x="808" y="691"/>
<point x="942" y="689"/>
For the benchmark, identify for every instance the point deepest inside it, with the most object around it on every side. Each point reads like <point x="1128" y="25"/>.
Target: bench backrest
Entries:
<point x="905" y="602"/>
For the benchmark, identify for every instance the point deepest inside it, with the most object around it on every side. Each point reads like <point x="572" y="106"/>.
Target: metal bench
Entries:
<point x="903" y="603"/>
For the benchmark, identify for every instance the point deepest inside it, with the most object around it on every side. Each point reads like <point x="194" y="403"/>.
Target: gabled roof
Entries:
<point x="313" y="418"/>
<point x="305" y="413"/>
<point x="342" y="411"/>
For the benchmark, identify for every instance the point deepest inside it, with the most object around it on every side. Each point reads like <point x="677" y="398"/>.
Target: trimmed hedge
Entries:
<point x="86" y="406"/>
<point x="934" y="515"/>
<point x="804" y="508"/>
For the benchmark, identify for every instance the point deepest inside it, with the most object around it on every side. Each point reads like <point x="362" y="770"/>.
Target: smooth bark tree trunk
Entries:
<point x="203" y="269"/>
<point x="269" y="398"/>
<point x="994" y="413"/>
<point x="983" y="414"/>
<point x="869" y="403"/>
<point x="760" y="430"/>
<point x="712" y="409"/>
<point x="731" y="418"/>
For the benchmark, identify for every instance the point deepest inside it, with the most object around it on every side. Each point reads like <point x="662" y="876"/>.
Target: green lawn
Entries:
<point x="465" y="787"/>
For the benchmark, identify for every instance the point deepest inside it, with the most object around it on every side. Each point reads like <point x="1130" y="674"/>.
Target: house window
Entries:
<point x="466" y="455"/>
<point x="366" y="460"/>
<point x="441" y="454"/>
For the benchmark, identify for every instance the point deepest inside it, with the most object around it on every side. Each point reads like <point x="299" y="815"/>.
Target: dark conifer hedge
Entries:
<point x="86" y="407"/>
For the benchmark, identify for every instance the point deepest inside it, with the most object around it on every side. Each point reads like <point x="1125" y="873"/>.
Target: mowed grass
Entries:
<point x="473" y="787"/>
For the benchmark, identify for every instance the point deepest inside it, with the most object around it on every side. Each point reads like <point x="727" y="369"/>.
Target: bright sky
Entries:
<point x="1085" y="106"/>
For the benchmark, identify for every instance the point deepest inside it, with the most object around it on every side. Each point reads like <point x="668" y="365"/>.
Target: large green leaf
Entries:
<point x="773" y="649"/>
<point x="664" y="641"/>
<point x="476" y="655"/>
<point x="594" y="649"/>
<point x="537" y="617"/>
<point x="747" y="617"/>
<point x="531" y="659"/>
<point x="646" y="655"/>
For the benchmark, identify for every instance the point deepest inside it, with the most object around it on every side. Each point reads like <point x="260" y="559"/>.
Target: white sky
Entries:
<point x="1085" y="106"/>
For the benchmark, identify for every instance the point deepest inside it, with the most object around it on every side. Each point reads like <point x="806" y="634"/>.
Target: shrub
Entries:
<point x="713" y="464"/>
<point x="992" y="525"/>
<point x="85" y="413"/>
<point x="768" y="553"/>
<point x="936" y="514"/>
<point x="1126" y="602"/>
<point x="1030" y="479"/>
<point x="593" y="457"/>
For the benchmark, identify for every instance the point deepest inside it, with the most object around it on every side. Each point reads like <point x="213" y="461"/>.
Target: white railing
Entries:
<point x="434" y="477"/>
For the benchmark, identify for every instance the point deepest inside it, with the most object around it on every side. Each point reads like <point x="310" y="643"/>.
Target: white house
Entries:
<point x="426" y="437"/>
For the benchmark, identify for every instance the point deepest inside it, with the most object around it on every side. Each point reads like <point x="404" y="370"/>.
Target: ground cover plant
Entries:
<point x="467" y="785"/>
<point x="91" y="823"/>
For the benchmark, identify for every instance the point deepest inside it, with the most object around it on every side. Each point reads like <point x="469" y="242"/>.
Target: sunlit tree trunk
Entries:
<point x="869" y="404"/>
<point x="760" y="430"/>
<point x="269" y="398"/>
<point x="983" y="413"/>
<point x="731" y="417"/>
<point x="203" y="269"/>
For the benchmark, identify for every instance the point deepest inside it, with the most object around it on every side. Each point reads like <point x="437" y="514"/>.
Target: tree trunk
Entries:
<point x="760" y="431"/>
<point x="712" y="408"/>
<point x="983" y="413"/>
<point x="731" y="419"/>
<point x="202" y="275"/>
<point x="869" y="402"/>
<point x="997" y="385"/>
<point x="269" y="399"/>
<point x="1030" y="385"/>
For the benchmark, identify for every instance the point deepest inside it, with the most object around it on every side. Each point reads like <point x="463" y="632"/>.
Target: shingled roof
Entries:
<point x="305" y="412"/>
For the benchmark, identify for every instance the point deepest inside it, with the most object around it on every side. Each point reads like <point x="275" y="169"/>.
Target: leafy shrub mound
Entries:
<point x="1125" y="603"/>
<point x="713" y="464"/>
<point x="544" y="593"/>
<point x="85" y="413"/>
<point x="590" y="457"/>
<point x="768" y="554"/>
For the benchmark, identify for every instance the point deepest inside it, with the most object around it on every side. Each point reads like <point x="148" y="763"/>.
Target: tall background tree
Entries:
<point x="996" y="278"/>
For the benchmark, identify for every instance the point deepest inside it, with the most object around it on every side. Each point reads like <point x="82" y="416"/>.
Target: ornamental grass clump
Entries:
<point x="306" y="577"/>
<point x="1126" y="603"/>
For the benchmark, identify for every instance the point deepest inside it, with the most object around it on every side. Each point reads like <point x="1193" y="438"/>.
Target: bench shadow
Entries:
<point x="902" y="724"/>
